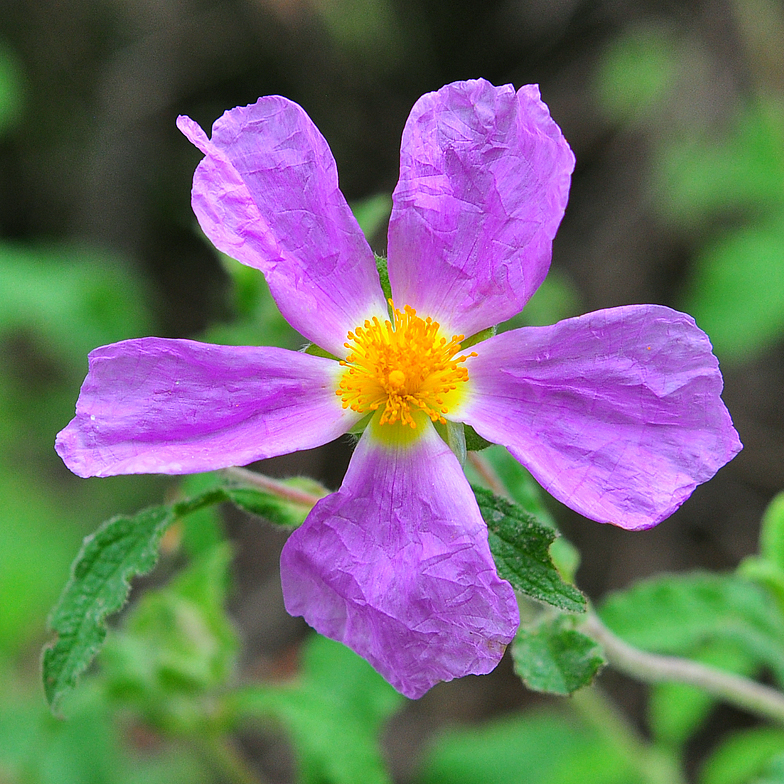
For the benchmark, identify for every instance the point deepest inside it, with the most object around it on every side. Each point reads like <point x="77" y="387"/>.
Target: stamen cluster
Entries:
<point x="403" y="367"/>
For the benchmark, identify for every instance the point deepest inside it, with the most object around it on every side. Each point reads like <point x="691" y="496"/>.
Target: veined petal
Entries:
<point x="175" y="407"/>
<point x="267" y="194"/>
<point x="396" y="565"/>
<point x="484" y="180"/>
<point x="616" y="413"/>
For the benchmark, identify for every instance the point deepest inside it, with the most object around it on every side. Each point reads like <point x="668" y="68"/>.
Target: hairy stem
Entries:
<point x="487" y="474"/>
<point x="654" y="668"/>
<point x="272" y="486"/>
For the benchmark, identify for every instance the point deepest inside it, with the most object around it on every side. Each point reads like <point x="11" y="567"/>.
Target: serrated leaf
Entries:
<point x="679" y="614"/>
<point x="334" y="713"/>
<point x="521" y="485"/>
<point x="122" y="548"/>
<point x="552" y="656"/>
<point x="520" y="546"/>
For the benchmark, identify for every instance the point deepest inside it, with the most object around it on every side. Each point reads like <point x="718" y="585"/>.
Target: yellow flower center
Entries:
<point x="402" y="368"/>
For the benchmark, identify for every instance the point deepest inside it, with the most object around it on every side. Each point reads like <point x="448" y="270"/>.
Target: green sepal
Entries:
<point x="454" y="435"/>
<point x="520" y="545"/>
<point x="478" y="337"/>
<point x="317" y="351"/>
<point x="551" y="656"/>
<point x="383" y="276"/>
<point x="475" y="442"/>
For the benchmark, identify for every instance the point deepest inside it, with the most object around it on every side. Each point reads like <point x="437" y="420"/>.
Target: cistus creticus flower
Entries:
<point x="616" y="413"/>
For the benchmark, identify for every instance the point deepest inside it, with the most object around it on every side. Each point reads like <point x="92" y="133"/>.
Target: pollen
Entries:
<point x="401" y="367"/>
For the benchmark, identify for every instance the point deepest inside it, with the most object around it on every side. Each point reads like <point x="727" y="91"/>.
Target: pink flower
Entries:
<point x="616" y="413"/>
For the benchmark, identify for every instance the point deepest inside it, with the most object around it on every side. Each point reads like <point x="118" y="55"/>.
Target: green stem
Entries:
<point x="487" y="474"/>
<point x="272" y="486"/>
<point x="654" y="668"/>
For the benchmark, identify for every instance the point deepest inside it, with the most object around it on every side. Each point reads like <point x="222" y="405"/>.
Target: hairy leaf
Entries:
<point x="520" y="547"/>
<point x="551" y="656"/>
<point x="122" y="548"/>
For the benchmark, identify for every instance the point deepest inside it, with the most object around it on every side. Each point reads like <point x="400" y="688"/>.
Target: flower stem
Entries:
<point x="272" y="486"/>
<point x="487" y="474"/>
<point x="654" y="668"/>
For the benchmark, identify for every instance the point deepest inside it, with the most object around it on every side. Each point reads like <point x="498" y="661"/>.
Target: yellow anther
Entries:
<point x="402" y="367"/>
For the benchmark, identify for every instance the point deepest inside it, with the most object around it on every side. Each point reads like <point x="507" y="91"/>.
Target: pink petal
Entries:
<point x="177" y="407"/>
<point x="616" y="413"/>
<point x="396" y="565"/>
<point x="484" y="179"/>
<point x="267" y="194"/>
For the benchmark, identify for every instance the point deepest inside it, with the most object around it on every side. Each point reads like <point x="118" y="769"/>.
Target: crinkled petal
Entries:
<point x="484" y="180"/>
<point x="616" y="413"/>
<point x="396" y="565"/>
<point x="267" y="194"/>
<point x="175" y="407"/>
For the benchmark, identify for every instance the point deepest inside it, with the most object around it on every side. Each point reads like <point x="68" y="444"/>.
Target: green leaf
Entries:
<point x="272" y="508"/>
<point x="334" y="713"/>
<point x="95" y="295"/>
<point x="122" y="548"/>
<point x="737" y="294"/>
<point x="772" y="533"/>
<point x="773" y="772"/>
<point x="176" y="645"/>
<point x="742" y="756"/>
<point x="551" y="656"/>
<point x="700" y="176"/>
<point x="680" y="614"/>
<point x="520" y="547"/>
<point x="521" y="749"/>
<point x="522" y="487"/>
<point x="637" y="72"/>
<point x="372" y="213"/>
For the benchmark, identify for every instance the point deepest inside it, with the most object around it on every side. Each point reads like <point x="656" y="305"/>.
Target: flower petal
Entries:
<point x="484" y="179"/>
<point x="267" y="194"/>
<point x="177" y="407"/>
<point x="396" y="565"/>
<point x="616" y="413"/>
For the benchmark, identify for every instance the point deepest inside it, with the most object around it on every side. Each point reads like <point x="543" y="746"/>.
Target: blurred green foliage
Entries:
<point x="723" y="186"/>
